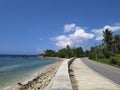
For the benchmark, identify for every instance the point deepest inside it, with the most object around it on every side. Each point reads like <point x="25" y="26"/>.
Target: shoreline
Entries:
<point x="46" y="73"/>
<point x="55" y="58"/>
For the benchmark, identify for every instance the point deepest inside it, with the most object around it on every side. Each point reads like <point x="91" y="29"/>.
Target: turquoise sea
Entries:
<point x="13" y="69"/>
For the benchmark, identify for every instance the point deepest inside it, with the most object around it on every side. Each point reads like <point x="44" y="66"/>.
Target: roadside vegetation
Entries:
<point x="108" y="52"/>
<point x="64" y="53"/>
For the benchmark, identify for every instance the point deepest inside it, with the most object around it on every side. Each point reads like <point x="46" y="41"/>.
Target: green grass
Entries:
<point x="103" y="60"/>
<point x="113" y="60"/>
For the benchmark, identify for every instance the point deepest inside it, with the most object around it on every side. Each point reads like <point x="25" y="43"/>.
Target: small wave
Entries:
<point x="10" y="87"/>
<point x="6" y="88"/>
<point x="8" y="68"/>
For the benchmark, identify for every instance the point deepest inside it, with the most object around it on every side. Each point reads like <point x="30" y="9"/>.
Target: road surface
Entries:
<point x="108" y="71"/>
<point x="86" y="78"/>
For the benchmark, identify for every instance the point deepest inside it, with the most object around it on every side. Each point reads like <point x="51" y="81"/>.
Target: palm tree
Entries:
<point x="116" y="43"/>
<point x="107" y="34"/>
<point x="108" y="40"/>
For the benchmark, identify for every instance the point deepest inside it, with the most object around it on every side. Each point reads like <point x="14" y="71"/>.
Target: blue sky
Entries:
<point x="31" y="26"/>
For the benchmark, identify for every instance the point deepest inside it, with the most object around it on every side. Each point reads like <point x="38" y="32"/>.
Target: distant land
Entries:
<point x="16" y="55"/>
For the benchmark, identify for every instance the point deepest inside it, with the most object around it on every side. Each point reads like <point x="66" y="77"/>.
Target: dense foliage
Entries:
<point x="65" y="52"/>
<point x="108" y="51"/>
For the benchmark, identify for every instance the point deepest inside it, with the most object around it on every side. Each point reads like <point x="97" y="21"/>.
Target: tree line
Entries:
<point x="64" y="53"/>
<point x="107" y="52"/>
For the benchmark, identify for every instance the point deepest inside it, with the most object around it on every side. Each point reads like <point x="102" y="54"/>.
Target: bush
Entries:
<point x="91" y="56"/>
<point x="117" y="59"/>
<point x="100" y="55"/>
<point x="107" y="54"/>
<point x="113" y="60"/>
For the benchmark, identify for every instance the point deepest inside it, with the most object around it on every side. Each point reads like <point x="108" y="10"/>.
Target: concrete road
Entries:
<point x="87" y="79"/>
<point x="108" y="71"/>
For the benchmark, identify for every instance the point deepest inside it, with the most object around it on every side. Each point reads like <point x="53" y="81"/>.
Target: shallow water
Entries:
<point x="13" y="70"/>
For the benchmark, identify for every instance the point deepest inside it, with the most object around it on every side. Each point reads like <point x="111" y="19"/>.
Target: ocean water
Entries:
<point x="15" y="69"/>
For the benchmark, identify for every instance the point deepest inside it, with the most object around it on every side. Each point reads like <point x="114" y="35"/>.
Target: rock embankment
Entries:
<point x="55" y="77"/>
<point x="41" y="81"/>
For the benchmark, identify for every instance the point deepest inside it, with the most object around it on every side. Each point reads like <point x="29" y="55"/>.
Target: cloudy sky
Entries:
<point x="31" y="26"/>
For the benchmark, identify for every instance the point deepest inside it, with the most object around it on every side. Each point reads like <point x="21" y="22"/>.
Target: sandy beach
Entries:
<point x="40" y="80"/>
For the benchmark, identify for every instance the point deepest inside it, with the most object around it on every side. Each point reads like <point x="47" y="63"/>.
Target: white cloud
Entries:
<point x="100" y="37"/>
<point x="75" y="39"/>
<point x="62" y="41"/>
<point x="79" y="36"/>
<point x="99" y="32"/>
<point x="38" y="49"/>
<point x="69" y="27"/>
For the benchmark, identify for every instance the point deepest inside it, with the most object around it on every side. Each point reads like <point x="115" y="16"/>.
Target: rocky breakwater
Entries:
<point x="42" y="80"/>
